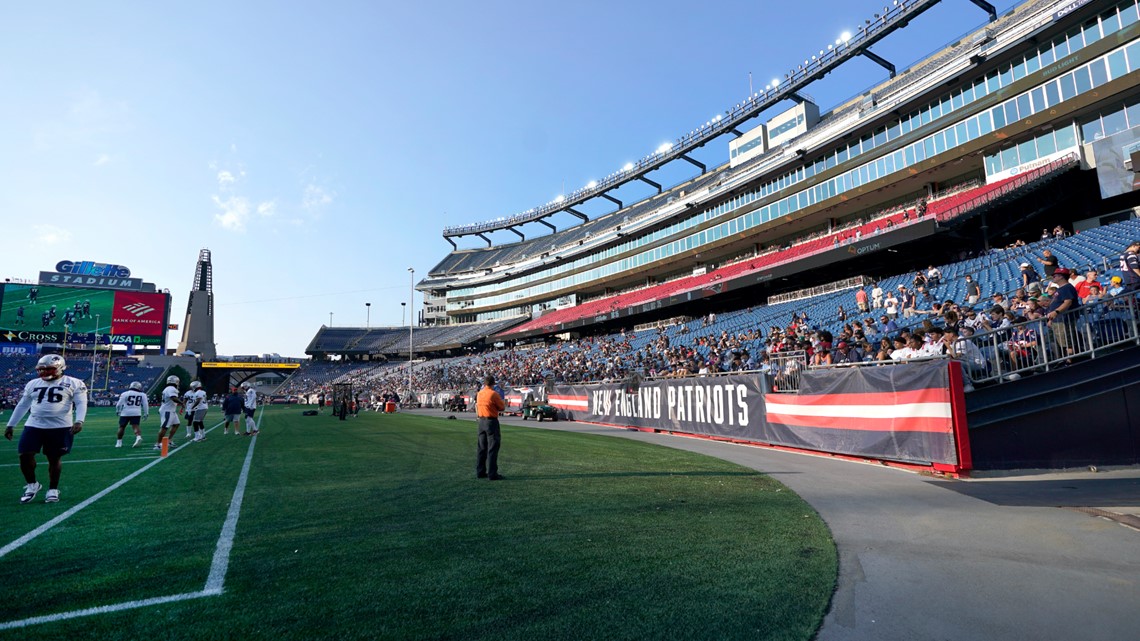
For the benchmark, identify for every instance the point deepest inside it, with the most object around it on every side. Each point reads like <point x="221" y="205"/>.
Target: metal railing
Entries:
<point x="1044" y="344"/>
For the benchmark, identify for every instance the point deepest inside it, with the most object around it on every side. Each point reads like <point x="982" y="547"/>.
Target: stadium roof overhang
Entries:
<point x="894" y="17"/>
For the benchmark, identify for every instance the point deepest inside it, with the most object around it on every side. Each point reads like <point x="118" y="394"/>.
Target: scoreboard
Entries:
<point x="47" y="314"/>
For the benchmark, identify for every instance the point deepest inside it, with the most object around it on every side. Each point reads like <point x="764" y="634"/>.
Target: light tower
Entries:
<point x="198" y="330"/>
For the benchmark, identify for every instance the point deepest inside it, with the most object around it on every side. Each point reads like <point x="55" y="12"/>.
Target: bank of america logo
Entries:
<point x="139" y="309"/>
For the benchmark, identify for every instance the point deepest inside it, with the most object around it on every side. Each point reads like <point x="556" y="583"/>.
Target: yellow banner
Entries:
<point x="250" y="365"/>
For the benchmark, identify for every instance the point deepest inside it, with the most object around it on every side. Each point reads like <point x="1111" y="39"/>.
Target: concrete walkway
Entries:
<point x="922" y="559"/>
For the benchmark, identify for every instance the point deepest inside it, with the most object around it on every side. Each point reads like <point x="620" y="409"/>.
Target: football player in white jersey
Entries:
<point x="132" y="408"/>
<point x="196" y="406"/>
<point x="248" y="407"/>
<point x="50" y="399"/>
<point x="168" y="411"/>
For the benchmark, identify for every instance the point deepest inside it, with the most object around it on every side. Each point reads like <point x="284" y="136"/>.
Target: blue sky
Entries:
<point x="318" y="149"/>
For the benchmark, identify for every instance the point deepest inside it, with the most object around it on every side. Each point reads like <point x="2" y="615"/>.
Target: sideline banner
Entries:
<point x="893" y="412"/>
<point x="729" y="406"/>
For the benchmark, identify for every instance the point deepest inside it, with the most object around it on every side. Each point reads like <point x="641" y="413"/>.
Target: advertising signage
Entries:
<point x="86" y="273"/>
<point x="47" y="314"/>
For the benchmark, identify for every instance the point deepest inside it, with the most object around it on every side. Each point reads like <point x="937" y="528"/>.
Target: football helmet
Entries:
<point x="172" y="380"/>
<point x="50" y="367"/>
<point x="245" y="385"/>
<point x="195" y="385"/>
<point x="136" y="386"/>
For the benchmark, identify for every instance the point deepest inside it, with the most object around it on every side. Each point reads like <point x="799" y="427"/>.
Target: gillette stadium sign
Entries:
<point x="86" y="273"/>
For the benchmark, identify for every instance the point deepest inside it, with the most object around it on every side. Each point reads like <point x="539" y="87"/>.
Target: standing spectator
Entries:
<point x="877" y="296"/>
<point x="907" y="300"/>
<point x="973" y="292"/>
<point x="1028" y="274"/>
<point x="861" y="299"/>
<point x="933" y="277"/>
<point x="50" y="398"/>
<point x="841" y="313"/>
<point x="488" y="404"/>
<point x="1130" y="265"/>
<point x="891" y="305"/>
<point x="1048" y="262"/>
<point x="1064" y="299"/>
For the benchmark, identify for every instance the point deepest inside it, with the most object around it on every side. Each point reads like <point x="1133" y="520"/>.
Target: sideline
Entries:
<point x="218" y="567"/>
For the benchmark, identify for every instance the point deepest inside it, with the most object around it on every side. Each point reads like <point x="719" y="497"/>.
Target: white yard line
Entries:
<point x="18" y="543"/>
<point x="218" y="567"/>
<point x="104" y="609"/>
<point x="94" y="460"/>
<point x="221" y="562"/>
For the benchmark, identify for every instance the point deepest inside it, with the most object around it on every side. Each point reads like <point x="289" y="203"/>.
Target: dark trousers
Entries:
<point x="487" y="456"/>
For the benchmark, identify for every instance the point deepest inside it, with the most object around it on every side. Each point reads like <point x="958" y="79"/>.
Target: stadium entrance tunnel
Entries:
<point x="219" y="377"/>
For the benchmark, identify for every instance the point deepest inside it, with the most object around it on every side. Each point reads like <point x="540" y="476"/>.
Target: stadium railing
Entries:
<point x="1038" y="345"/>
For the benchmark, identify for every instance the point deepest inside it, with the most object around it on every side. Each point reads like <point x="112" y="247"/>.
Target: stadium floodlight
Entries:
<point x="665" y="147"/>
<point x="592" y="184"/>
<point x="559" y="198"/>
<point x="628" y="166"/>
<point x="775" y="82"/>
<point x="845" y="36"/>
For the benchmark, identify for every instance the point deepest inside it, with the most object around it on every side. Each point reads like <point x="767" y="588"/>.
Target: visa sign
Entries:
<point x="88" y="268"/>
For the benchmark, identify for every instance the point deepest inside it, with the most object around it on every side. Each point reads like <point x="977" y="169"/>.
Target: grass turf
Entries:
<point x="375" y="528"/>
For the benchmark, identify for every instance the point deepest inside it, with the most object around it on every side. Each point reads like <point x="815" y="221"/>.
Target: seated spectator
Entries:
<point x="885" y="347"/>
<point x="887" y="324"/>
<point x="1115" y="286"/>
<point x="1022" y="348"/>
<point x="1088" y="282"/>
<point x="845" y="354"/>
<point x="964" y="350"/>
<point x="1033" y="310"/>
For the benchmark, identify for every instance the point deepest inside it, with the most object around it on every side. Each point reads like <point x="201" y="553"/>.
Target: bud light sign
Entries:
<point x="18" y="349"/>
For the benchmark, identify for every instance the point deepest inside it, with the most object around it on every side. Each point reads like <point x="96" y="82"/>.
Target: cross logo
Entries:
<point x="139" y="309"/>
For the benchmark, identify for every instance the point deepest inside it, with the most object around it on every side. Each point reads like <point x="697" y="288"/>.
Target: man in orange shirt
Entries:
<point x="488" y="404"/>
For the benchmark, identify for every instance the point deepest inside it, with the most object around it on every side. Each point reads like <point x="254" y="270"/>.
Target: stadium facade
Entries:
<point x="1046" y="89"/>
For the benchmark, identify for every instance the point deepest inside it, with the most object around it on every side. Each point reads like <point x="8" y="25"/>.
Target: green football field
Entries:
<point x="375" y="528"/>
<point x="63" y="298"/>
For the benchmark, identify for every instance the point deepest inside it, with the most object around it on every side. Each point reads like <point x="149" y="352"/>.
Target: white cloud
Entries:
<point x="51" y="235"/>
<point x="315" y="199"/>
<point x="234" y="212"/>
<point x="267" y="208"/>
<point x="103" y="159"/>
<point x="225" y="179"/>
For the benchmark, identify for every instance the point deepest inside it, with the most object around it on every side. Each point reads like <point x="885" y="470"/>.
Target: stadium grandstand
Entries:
<point x="1015" y="140"/>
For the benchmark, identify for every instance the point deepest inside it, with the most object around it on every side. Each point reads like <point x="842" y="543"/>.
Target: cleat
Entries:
<point x="156" y="447"/>
<point x="138" y="440"/>
<point x="30" y="491"/>
<point x="52" y="496"/>
<point x="118" y="443"/>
